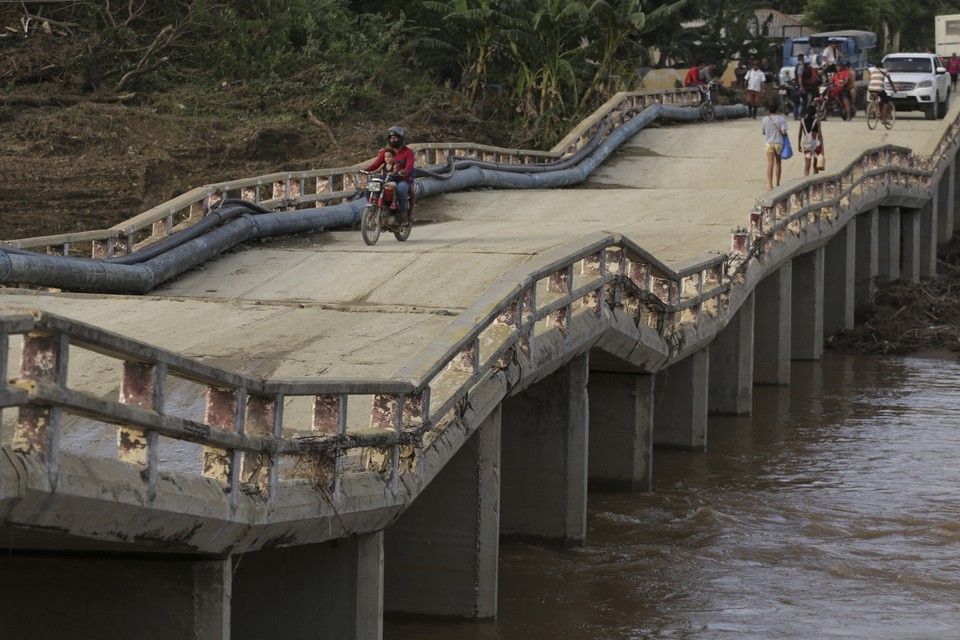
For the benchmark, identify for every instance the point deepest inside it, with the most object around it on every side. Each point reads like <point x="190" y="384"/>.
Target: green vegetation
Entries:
<point x="535" y="66"/>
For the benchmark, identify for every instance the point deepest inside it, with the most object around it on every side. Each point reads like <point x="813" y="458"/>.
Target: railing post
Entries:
<point x="142" y="386"/>
<point x="43" y="357"/>
<point x="222" y="413"/>
<point x="259" y="469"/>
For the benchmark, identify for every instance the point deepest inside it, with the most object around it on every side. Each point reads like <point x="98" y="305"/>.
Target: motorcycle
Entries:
<point x="380" y="212"/>
<point x="827" y="103"/>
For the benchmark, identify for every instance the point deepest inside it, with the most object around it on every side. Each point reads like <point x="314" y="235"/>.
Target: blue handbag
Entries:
<point x="787" y="151"/>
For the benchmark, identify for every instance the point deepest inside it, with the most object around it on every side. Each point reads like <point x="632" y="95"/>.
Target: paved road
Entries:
<point x="326" y="304"/>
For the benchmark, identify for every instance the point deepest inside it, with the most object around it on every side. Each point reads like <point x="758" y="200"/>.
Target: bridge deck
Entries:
<point x="326" y="304"/>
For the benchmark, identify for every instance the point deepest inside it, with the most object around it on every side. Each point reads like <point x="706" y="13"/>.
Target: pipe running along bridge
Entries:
<point x="219" y="423"/>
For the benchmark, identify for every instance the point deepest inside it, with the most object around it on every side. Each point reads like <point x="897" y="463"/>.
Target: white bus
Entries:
<point x="947" y="35"/>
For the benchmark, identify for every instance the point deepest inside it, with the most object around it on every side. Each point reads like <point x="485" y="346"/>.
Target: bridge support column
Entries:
<point x="945" y="196"/>
<point x="440" y="557"/>
<point x="954" y="202"/>
<point x="910" y="244"/>
<point x="731" y="364"/>
<point x="327" y="590"/>
<point x="621" y="430"/>
<point x="806" y="306"/>
<point x="544" y="454"/>
<point x="888" y="247"/>
<point x="928" y="239"/>
<point x="839" y="279"/>
<point x="771" y="334"/>
<point x="867" y="267"/>
<point x="682" y="394"/>
<point x="111" y="597"/>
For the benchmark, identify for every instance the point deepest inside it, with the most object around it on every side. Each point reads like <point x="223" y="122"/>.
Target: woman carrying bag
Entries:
<point x="811" y="141"/>
<point x="774" y="135"/>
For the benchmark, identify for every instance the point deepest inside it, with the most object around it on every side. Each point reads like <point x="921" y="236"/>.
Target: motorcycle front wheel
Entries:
<point x="370" y="224"/>
<point x="404" y="231"/>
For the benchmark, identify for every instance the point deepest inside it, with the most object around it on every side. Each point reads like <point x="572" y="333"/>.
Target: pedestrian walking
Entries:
<point x="774" y="130"/>
<point x="810" y="136"/>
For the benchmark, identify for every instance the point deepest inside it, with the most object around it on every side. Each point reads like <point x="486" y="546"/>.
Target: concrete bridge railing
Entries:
<point x="599" y="283"/>
<point x="357" y="426"/>
<point x="325" y="186"/>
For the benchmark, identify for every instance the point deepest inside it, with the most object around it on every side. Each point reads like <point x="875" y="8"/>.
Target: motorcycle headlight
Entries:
<point x="923" y="84"/>
<point x="374" y="185"/>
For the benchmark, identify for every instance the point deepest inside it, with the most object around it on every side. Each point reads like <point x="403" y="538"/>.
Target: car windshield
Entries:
<point x="800" y="47"/>
<point x="908" y="65"/>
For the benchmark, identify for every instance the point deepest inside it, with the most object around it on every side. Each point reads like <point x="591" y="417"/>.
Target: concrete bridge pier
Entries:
<point x="441" y="555"/>
<point x="731" y="364"/>
<point x="946" y="214"/>
<point x="888" y="244"/>
<point x="806" y="326"/>
<point x="621" y="430"/>
<point x="544" y="456"/>
<point x="955" y="208"/>
<point x="928" y="238"/>
<point x="910" y="244"/>
<point x="771" y="340"/>
<point x="681" y="394"/>
<point x="839" y="289"/>
<point x="112" y="596"/>
<point x="327" y="590"/>
<point x="867" y="268"/>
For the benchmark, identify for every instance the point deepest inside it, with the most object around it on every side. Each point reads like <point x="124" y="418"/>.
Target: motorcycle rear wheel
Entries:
<point x="370" y="224"/>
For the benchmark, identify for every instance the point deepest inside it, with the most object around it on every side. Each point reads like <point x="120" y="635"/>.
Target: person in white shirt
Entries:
<point x="830" y="57"/>
<point x="774" y="129"/>
<point x="754" y="79"/>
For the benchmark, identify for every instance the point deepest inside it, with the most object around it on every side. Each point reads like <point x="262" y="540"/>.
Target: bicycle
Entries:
<point x="706" y="101"/>
<point x="875" y="109"/>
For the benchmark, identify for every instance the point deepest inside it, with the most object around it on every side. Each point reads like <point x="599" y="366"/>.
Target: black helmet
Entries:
<point x="395" y="131"/>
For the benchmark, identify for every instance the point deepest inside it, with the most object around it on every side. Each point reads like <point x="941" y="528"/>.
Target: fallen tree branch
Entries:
<point x="130" y="75"/>
<point x="324" y="127"/>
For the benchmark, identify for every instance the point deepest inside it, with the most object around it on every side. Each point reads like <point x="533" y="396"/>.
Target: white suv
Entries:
<point x="921" y="83"/>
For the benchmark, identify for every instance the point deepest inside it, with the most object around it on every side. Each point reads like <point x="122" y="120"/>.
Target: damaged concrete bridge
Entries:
<point x="295" y="436"/>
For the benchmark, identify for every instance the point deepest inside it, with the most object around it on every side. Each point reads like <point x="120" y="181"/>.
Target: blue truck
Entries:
<point x="853" y="46"/>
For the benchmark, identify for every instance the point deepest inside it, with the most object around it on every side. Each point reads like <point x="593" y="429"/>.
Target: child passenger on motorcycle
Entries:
<point x="405" y="164"/>
<point x="390" y="171"/>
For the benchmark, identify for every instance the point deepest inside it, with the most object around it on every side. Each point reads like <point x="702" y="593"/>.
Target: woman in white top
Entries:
<point x="774" y="129"/>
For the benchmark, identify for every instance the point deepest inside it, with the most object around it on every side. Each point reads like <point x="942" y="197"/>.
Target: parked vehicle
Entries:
<point x="921" y="82"/>
<point x="947" y="35"/>
<point x="380" y="214"/>
<point x="852" y="44"/>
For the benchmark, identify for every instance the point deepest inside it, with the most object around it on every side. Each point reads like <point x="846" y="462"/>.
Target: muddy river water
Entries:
<point x="832" y="512"/>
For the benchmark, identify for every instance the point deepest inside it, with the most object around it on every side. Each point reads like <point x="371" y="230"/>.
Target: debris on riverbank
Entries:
<point x="907" y="317"/>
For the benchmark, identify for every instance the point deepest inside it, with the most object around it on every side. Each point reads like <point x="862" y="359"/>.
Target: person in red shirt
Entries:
<point x="692" y="78"/>
<point x="404" y="163"/>
<point x="840" y="88"/>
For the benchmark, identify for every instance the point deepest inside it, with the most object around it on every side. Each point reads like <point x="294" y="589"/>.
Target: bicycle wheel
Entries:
<point x="891" y="117"/>
<point x="370" y="225"/>
<point x="706" y="111"/>
<point x="873" y="115"/>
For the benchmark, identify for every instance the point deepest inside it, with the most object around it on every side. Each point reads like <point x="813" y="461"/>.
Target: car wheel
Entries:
<point x="944" y="106"/>
<point x="931" y="111"/>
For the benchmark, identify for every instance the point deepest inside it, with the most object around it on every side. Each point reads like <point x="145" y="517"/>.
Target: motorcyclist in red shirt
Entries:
<point x="405" y="168"/>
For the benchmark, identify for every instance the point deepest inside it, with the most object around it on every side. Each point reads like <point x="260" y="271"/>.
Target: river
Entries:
<point x="832" y="512"/>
